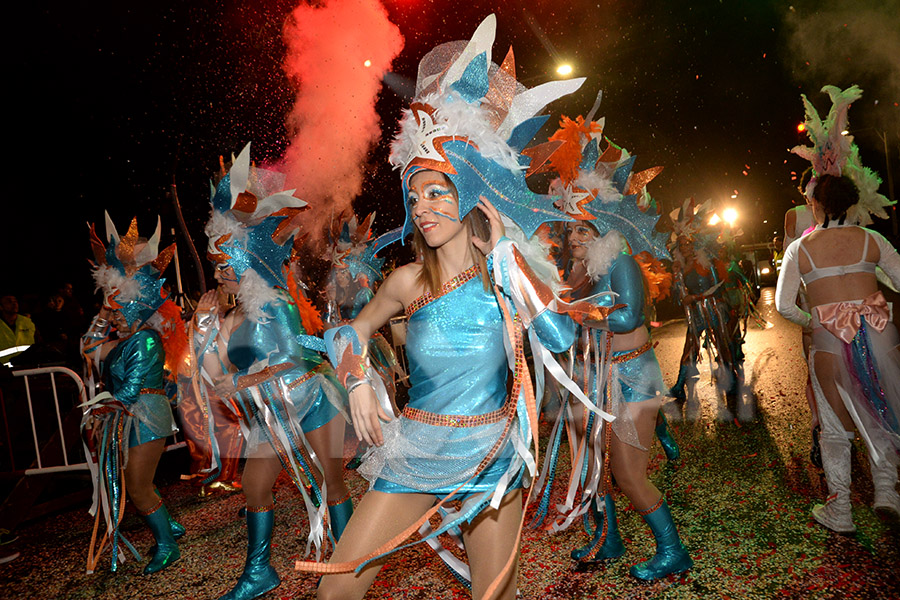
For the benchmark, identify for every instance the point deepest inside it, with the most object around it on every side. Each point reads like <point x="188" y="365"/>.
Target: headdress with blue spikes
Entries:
<point x="354" y="249"/>
<point x="471" y="121"/>
<point x="600" y="189"/>
<point x="129" y="270"/>
<point x="252" y="222"/>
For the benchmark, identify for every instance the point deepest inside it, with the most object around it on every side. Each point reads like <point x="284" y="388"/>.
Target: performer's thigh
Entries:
<point x="490" y="540"/>
<point x="260" y="472"/>
<point x="377" y="519"/>
<point x="824" y="369"/>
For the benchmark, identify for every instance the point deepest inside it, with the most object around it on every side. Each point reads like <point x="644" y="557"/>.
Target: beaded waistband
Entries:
<point x="430" y="418"/>
<point x="633" y="354"/>
<point x="303" y="379"/>
<point x="153" y="391"/>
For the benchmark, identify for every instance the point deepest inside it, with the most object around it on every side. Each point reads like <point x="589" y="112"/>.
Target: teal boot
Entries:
<point x="671" y="557"/>
<point x="670" y="446"/>
<point x="259" y="576"/>
<point x="165" y="552"/>
<point x="602" y="548"/>
<point x="339" y="514"/>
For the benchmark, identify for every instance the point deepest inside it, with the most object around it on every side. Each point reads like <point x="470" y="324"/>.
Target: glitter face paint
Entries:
<point x="436" y="196"/>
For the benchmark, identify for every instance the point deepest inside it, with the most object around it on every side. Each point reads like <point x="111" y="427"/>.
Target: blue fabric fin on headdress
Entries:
<point x="525" y="132"/>
<point x="589" y="155"/>
<point x="484" y="177"/>
<point x="636" y="226"/>
<point x="385" y="240"/>
<point x="474" y="84"/>
<point x="620" y="176"/>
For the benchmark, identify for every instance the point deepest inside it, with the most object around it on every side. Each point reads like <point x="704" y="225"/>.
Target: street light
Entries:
<point x="729" y="215"/>
<point x="564" y="69"/>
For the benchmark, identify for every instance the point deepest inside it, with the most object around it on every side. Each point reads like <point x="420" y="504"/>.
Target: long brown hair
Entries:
<point x="430" y="276"/>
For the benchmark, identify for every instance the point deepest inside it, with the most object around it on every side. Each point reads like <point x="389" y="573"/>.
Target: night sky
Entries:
<point x="119" y="101"/>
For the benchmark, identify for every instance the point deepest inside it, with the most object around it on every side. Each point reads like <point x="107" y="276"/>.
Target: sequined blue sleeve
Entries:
<point x="626" y="279"/>
<point x="143" y="359"/>
<point x="556" y="331"/>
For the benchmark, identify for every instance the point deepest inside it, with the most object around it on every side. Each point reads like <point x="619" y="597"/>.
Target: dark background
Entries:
<point x="113" y="102"/>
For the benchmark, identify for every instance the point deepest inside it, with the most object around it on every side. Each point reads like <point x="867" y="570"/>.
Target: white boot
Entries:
<point x="884" y="478"/>
<point x="835" y="514"/>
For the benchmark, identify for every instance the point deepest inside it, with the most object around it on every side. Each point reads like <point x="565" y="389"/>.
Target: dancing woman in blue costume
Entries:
<point x="130" y="419"/>
<point x="618" y="364"/>
<point x="463" y="436"/>
<point x="263" y="364"/>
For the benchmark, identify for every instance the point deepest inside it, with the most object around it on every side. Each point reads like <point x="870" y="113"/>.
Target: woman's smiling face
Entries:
<point x="434" y="207"/>
<point x="580" y="234"/>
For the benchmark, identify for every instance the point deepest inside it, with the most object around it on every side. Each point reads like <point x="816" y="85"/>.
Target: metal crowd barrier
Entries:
<point x="69" y="462"/>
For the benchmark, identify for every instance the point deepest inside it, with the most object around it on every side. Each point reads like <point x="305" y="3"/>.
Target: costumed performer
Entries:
<point x="268" y="370"/>
<point x="126" y="425"/>
<point x="699" y="280"/>
<point x="462" y="436"/>
<point x="355" y="270"/>
<point x="219" y="471"/>
<point x="854" y="360"/>
<point x="611" y="242"/>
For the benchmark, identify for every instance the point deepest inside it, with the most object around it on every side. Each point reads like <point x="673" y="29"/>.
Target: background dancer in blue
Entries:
<point x="129" y="421"/>
<point x="283" y="390"/>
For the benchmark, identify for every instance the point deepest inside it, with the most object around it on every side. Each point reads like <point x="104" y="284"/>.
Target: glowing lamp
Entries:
<point x="729" y="215"/>
<point x="564" y="70"/>
<point x="801" y="127"/>
<point x="368" y="63"/>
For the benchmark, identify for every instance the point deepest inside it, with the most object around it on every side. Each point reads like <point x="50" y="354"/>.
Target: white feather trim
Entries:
<point x="601" y="252"/>
<point x="595" y="180"/>
<point x="254" y="293"/>
<point x="109" y="280"/>
<point x="536" y="253"/>
<point x="462" y="120"/>
<point x="221" y="224"/>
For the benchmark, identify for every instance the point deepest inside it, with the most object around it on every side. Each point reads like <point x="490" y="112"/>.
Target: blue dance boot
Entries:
<point x="669" y="445"/>
<point x="339" y="514"/>
<point x="259" y="576"/>
<point x="611" y="546"/>
<point x="165" y="552"/>
<point x="671" y="557"/>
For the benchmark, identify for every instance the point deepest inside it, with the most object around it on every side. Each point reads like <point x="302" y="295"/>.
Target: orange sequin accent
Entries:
<point x="633" y="354"/>
<point x="448" y="287"/>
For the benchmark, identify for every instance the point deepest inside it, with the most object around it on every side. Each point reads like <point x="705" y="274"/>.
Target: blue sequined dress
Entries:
<point x="133" y="373"/>
<point x="453" y="431"/>
<point x="275" y="369"/>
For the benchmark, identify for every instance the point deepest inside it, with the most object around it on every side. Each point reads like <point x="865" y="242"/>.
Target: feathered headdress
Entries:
<point x="601" y="190"/>
<point x="251" y="228"/>
<point x="834" y="153"/>
<point x="129" y="270"/>
<point x="471" y="120"/>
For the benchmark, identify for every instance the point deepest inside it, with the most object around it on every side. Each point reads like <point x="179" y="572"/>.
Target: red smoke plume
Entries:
<point x="337" y="54"/>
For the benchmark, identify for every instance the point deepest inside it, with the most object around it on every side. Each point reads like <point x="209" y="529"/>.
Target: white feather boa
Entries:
<point x="109" y="280"/>
<point x="254" y="293"/>
<point x="220" y="224"/>
<point x="601" y="252"/>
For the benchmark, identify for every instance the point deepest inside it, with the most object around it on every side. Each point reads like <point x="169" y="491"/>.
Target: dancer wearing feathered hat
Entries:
<point x="609" y="242"/>
<point x="700" y="277"/>
<point x="267" y="367"/>
<point x="854" y="360"/>
<point x="470" y="301"/>
<point x="129" y="343"/>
